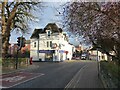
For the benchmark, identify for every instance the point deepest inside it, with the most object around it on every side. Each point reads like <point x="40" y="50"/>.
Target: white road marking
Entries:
<point x="16" y="77"/>
<point x="72" y="80"/>
<point x="27" y="80"/>
<point x="13" y="79"/>
<point x="2" y="87"/>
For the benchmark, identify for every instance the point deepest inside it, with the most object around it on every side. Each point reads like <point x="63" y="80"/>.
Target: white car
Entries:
<point x="83" y="56"/>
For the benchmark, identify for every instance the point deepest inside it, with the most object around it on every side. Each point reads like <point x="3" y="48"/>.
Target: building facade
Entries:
<point x="94" y="55"/>
<point x="12" y="51"/>
<point x="50" y="44"/>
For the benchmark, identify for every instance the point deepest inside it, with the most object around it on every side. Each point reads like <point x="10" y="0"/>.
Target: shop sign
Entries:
<point x="61" y="51"/>
<point x="46" y="51"/>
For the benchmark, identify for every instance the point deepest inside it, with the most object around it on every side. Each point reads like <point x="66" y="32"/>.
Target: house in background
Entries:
<point x="71" y="49"/>
<point x="94" y="55"/>
<point x="50" y="44"/>
<point x="79" y="48"/>
<point x="13" y="49"/>
<point x="27" y="47"/>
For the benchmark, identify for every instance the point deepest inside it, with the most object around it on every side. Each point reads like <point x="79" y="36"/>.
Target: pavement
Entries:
<point x="86" y="77"/>
<point x="17" y="76"/>
<point x="8" y="71"/>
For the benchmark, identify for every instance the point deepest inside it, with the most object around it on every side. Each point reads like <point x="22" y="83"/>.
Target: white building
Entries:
<point x="50" y="44"/>
<point x="94" y="55"/>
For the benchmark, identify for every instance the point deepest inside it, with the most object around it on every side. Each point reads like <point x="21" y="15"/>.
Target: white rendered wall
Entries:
<point x="57" y="38"/>
<point x="34" y="50"/>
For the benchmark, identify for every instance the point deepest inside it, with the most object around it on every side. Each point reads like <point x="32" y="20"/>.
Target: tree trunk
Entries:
<point x="5" y="42"/>
<point x="3" y="27"/>
<point x="6" y="28"/>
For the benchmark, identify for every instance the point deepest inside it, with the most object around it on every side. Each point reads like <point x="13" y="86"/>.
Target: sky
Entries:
<point x="49" y="14"/>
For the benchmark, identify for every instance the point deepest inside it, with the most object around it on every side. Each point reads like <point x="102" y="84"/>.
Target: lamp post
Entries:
<point x="98" y="64"/>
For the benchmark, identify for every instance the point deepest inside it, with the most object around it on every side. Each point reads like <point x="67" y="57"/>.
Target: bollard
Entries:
<point x="31" y="61"/>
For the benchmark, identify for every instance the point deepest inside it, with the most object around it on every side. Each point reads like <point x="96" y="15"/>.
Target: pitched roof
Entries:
<point x="37" y="32"/>
<point x="53" y="27"/>
<point x="50" y="26"/>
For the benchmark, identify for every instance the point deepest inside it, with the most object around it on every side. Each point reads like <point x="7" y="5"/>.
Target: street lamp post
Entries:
<point x="98" y="64"/>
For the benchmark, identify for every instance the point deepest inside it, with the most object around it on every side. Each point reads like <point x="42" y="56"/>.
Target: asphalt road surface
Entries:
<point x="55" y="75"/>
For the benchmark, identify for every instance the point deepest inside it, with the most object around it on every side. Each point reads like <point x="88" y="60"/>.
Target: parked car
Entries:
<point x="77" y="58"/>
<point x="83" y="57"/>
<point x="73" y="57"/>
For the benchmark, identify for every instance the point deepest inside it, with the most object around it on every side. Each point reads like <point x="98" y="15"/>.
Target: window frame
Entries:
<point x="47" y="43"/>
<point x="34" y="44"/>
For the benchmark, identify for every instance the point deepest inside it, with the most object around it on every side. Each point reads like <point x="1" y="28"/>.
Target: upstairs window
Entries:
<point x="34" y="44"/>
<point x="47" y="44"/>
<point x="50" y="43"/>
<point x="48" y="32"/>
<point x="59" y="45"/>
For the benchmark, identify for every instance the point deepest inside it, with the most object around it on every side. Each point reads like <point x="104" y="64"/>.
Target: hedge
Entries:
<point x="11" y="62"/>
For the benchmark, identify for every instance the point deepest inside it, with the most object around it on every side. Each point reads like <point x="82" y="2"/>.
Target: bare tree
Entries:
<point x="15" y="16"/>
<point x="98" y="22"/>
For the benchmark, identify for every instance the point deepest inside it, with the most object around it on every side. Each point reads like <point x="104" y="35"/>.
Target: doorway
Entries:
<point x="49" y="57"/>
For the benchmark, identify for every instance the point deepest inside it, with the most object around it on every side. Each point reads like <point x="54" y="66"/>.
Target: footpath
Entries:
<point x="86" y="77"/>
<point x="10" y="78"/>
<point x="8" y="71"/>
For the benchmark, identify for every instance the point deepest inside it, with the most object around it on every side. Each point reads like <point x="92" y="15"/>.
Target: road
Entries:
<point x="56" y="75"/>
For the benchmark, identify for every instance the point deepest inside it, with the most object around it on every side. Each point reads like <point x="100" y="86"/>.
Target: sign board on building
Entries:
<point x="46" y="51"/>
<point x="61" y="51"/>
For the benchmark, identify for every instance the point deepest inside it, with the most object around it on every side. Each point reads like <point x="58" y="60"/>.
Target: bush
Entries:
<point x="110" y="67"/>
<point x="11" y="62"/>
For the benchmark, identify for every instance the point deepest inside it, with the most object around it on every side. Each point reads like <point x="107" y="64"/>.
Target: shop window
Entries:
<point x="103" y="57"/>
<point x="49" y="57"/>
